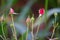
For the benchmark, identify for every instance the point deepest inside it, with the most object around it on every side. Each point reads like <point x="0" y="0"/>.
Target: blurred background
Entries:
<point x="25" y="8"/>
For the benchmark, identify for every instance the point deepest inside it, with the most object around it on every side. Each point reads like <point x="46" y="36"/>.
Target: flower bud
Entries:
<point x="32" y="18"/>
<point x="11" y="11"/>
<point x="2" y="18"/>
<point x="28" y="20"/>
<point x="55" y="14"/>
<point x="11" y="25"/>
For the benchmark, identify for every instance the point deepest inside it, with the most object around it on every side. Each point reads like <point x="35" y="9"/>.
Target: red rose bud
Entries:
<point x="41" y="11"/>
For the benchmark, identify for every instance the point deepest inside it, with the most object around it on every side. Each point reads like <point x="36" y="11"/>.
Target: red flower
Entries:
<point x="41" y="11"/>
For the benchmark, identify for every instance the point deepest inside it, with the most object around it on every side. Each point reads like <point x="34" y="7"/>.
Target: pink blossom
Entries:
<point x="11" y="11"/>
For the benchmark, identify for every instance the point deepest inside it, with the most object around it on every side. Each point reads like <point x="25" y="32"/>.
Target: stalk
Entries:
<point x="14" y="30"/>
<point x="22" y="36"/>
<point x="55" y="25"/>
<point x="32" y="21"/>
<point x="27" y="31"/>
<point x="32" y="32"/>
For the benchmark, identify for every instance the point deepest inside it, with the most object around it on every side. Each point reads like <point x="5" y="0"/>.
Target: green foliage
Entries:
<point x="4" y="29"/>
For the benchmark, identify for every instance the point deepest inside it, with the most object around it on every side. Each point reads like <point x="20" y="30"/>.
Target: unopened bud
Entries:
<point x="32" y="19"/>
<point x="11" y="25"/>
<point x="28" y="20"/>
<point x="55" y="14"/>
